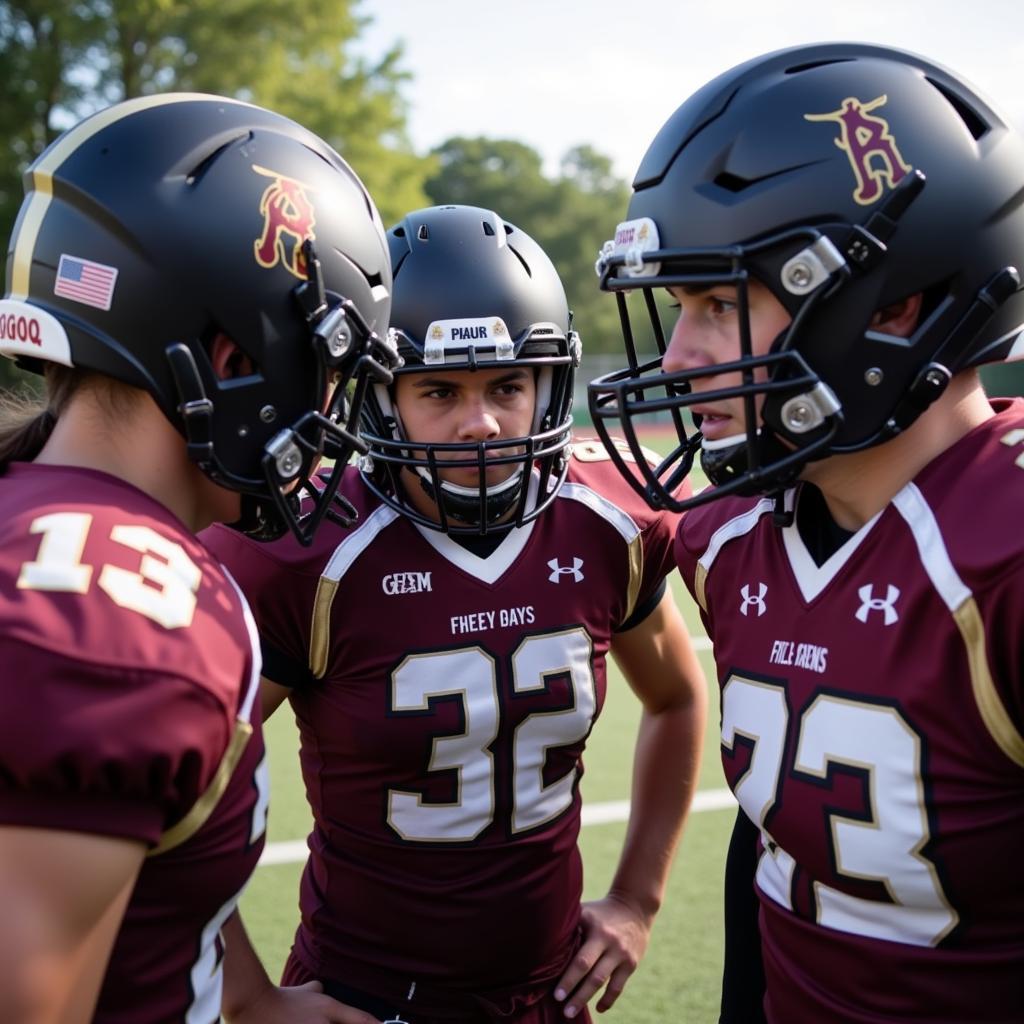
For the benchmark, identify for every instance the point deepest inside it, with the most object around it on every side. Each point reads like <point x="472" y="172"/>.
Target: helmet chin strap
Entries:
<point x="463" y="503"/>
<point x="723" y="458"/>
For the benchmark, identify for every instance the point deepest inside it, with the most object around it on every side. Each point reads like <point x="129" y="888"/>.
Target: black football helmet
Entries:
<point x="844" y="177"/>
<point x="159" y="223"/>
<point x="471" y="292"/>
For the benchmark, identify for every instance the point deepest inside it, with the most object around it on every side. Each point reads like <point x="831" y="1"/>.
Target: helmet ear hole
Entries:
<point x="898" y="318"/>
<point x="227" y="360"/>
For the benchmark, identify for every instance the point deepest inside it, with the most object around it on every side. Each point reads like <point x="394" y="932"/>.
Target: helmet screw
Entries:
<point x="339" y="341"/>
<point x="798" y="416"/>
<point x="873" y="376"/>
<point x="243" y="431"/>
<point x="268" y="414"/>
<point x="799" y="275"/>
<point x="935" y="378"/>
<point x="288" y="462"/>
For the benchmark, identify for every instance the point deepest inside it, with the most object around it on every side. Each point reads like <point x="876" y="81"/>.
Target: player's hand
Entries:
<point x="299" y="1004"/>
<point x="615" y="937"/>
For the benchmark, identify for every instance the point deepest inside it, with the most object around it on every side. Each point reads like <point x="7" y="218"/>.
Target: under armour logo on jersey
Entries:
<point x="558" y="571"/>
<point x="877" y="604"/>
<point x="753" y="599"/>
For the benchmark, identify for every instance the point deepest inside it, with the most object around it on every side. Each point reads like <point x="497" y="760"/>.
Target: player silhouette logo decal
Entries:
<point x="558" y="571"/>
<point x="870" y="146"/>
<point x="288" y="220"/>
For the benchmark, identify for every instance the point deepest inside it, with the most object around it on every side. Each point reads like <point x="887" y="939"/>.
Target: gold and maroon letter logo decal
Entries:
<point x="288" y="220"/>
<point x="867" y="141"/>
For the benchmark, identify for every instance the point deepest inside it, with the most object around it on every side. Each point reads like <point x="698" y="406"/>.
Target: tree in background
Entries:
<point x="64" y="59"/>
<point x="570" y="216"/>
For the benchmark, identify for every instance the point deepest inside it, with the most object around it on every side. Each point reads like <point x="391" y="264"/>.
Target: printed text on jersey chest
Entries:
<point x="479" y="622"/>
<point x="809" y="656"/>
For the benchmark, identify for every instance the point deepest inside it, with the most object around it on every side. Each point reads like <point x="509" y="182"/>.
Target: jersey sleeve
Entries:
<point x="653" y="558"/>
<point x="111" y="750"/>
<point x="280" y="592"/>
<point x="1001" y="608"/>
<point x="658" y="537"/>
<point x="686" y="555"/>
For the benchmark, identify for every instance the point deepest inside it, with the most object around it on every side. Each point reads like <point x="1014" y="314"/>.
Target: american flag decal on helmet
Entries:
<point x="83" y="281"/>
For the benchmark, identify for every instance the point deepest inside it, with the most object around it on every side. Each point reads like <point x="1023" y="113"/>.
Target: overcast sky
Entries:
<point x="554" y="74"/>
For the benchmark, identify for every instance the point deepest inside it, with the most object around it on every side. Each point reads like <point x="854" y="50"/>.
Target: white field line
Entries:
<point x="293" y="850"/>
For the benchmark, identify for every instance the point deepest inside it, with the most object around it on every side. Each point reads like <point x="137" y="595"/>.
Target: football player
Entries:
<point x="202" y="283"/>
<point x="443" y="720"/>
<point x="841" y="230"/>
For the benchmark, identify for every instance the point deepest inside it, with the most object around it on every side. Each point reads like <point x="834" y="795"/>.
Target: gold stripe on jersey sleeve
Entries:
<point x="40" y="176"/>
<point x="993" y="712"/>
<point x="203" y="807"/>
<point x="700" y="577"/>
<point x="635" y="553"/>
<point x="320" y="629"/>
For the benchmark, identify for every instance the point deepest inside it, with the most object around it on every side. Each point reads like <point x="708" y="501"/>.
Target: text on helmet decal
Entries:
<point x="27" y="330"/>
<point x="869" y="145"/>
<point x="288" y="220"/>
<point x="487" y="336"/>
<point x="632" y="239"/>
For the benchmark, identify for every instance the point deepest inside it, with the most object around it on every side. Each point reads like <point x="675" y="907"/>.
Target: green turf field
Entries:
<point x="678" y="981"/>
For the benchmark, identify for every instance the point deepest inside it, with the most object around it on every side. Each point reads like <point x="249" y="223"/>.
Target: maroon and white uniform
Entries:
<point x="872" y="719"/>
<point x="447" y="701"/>
<point x="130" y="671"/>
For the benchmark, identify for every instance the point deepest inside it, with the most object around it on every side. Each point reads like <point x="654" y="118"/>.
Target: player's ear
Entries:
<point x="228" y="360"/>
<point x="898" y="318"/>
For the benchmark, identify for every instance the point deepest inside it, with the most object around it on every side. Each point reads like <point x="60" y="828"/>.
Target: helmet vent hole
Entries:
<point x="399" y="232"/>
<point x="971" y="119"/>
<point x="526" y="266"/>
<point x="798" y="69"/>
<point x="731" y="182"/>
<point x="196" y="174"/>
<point x="423" y="233"/>
<point x="488" y="230"/>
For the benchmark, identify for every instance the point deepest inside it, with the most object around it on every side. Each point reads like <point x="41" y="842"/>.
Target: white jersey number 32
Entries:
<point x="469" y="673"/>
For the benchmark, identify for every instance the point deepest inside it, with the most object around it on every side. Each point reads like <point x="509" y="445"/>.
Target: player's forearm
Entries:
<point x="244" y="974"/>
<point x="665" y="768"/>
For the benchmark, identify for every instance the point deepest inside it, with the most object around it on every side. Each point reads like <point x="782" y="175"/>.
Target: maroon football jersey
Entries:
<point x="443" y="726"/>
<point x="872" y="712"/>
<point x="130" y="671"/>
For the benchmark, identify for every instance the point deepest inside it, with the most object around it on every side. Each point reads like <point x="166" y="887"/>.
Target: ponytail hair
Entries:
<point x="27" y="420"/>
